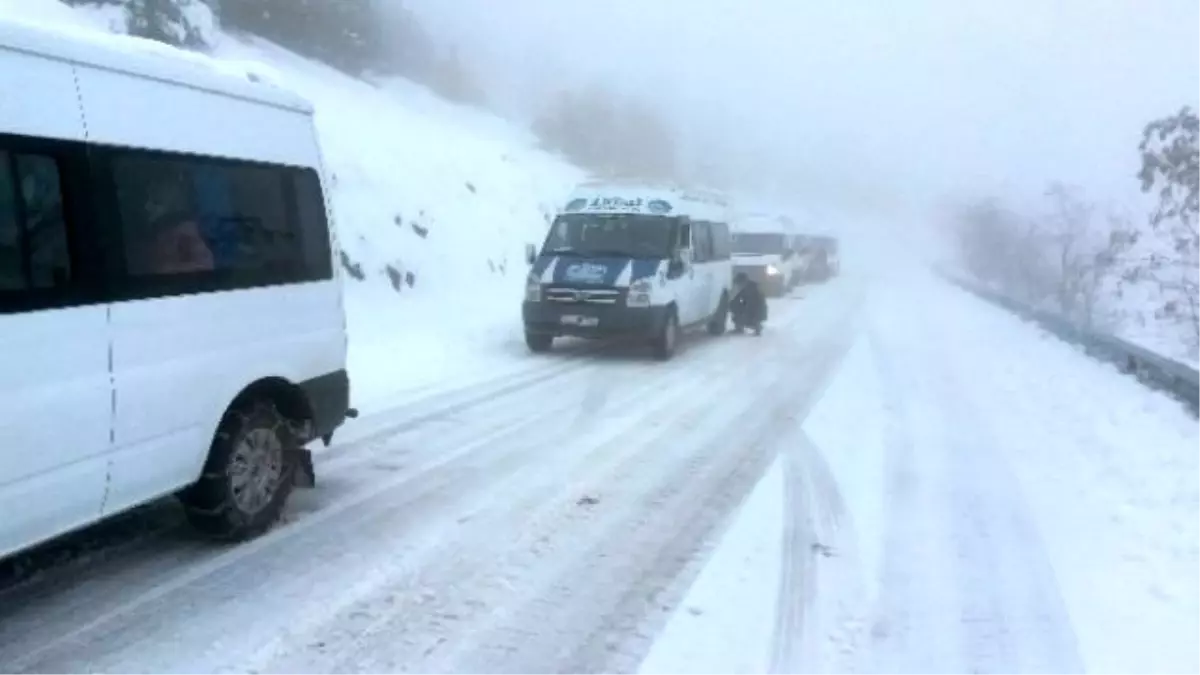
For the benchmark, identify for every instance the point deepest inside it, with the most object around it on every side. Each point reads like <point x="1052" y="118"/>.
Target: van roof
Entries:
<point x="145" y="58"/>
<point x="758" y="222"/>
<point x="620" y="196"/>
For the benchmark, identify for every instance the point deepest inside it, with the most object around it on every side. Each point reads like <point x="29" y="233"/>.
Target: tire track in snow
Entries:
<point x="420" y="598"/>
<point x="816" y="528"/>
<point x="797" y="580"/>
<point x="613" y="631"/>
<point x="480" y="570"/>
<point x="812" y="507"/>
<point x="966" y="585"/>
<point x="1011" y="602"/>
<point x="914" y="616"/>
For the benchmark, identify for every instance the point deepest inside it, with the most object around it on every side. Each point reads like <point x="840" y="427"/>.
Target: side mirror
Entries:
<point x="530" y="254"/>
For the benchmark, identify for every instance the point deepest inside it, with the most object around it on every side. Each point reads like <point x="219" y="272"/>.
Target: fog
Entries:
<point x="880" y="104"/>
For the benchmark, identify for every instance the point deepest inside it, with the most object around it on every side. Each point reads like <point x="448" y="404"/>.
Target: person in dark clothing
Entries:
<point x="748" y="306"/>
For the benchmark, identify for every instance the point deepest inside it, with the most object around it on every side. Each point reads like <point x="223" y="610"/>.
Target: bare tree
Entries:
<point x="1065" y="262"/>
<point x="1004" y="250"/>
<point x="1171" y="166"/>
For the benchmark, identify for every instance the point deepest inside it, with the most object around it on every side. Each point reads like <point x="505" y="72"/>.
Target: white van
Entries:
<point x="765" y="251"/>
<point x="170" y="313"/>
<point x="635" y="261"/>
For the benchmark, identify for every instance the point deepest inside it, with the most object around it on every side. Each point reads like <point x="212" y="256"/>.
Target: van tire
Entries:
<point x="720" y="321"/>
<point x="257" y="435"/>
<point x="667" y="340"/>
<point x="539" y="343"/>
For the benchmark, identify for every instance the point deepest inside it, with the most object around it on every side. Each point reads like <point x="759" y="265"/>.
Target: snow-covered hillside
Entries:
<point x="433" y="203"/>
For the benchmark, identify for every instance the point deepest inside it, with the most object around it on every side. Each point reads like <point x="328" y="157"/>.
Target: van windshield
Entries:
<point x="631" y="235"/>
<point x="759" y="243"/>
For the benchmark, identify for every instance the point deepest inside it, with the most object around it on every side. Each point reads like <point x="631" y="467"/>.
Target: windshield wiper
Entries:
<point x="563" y="250"/>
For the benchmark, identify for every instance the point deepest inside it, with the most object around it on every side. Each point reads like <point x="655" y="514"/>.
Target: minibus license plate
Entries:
<point x="577" y="320"/>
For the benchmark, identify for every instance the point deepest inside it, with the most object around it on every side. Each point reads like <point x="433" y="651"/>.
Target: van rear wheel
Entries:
<point x="248" y="475"/>
<point x="720" y="321"/>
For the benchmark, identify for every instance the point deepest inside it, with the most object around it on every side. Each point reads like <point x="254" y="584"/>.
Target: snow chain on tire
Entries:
<point x="211" y="503"/>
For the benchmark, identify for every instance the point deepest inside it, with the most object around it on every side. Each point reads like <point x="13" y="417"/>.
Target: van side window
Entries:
<point x="685" y="236"/>
<point x="720" y="241"/>
<point x="703" y="240"/>
<point x="34" y="252"/>
<point x="243" y="215"/>
<point x="244" y="224"/>
<point x="159" y="222"/>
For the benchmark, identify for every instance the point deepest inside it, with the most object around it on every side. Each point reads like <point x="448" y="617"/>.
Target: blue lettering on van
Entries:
<point x="658" y="206"/>
<point x="615" y="204"/>
<point x="592" y="271"/>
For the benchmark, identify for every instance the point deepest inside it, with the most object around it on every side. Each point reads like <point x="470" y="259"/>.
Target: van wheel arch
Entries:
<point x="273" y="409"/>
<point x="289" y="398"/>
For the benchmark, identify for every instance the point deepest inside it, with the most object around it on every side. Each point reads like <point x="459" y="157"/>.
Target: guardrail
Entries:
<point x="1153" y="370"/>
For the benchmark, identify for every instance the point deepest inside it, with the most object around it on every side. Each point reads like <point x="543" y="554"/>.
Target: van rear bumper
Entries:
<point x="329" y="400"/>
<point x="610" y="321"/>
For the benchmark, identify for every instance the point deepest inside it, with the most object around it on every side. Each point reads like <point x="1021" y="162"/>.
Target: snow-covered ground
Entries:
<point x="1002" y="503"/>
<point x="894" y="477"/>
<point x="926" y="484"/>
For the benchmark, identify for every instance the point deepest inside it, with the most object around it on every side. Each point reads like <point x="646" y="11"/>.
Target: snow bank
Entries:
<point x="432" y="202"/>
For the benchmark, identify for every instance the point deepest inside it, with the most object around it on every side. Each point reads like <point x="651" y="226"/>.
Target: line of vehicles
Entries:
<point x="171" y="308"/>
<point x="649" y="263"/>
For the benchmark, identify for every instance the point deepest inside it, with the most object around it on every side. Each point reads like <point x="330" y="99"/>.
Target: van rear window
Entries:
<point x="759" y="243"/>
<point x="185" y="216"/>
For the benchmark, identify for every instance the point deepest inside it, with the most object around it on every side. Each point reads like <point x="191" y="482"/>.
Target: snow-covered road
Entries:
<point x="894" y="477"/>
<point x="545" y="522"/>
<point x="965" y="581"/>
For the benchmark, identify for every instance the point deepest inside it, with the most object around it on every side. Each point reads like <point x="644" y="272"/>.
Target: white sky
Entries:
<point x="870" y="101"/>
